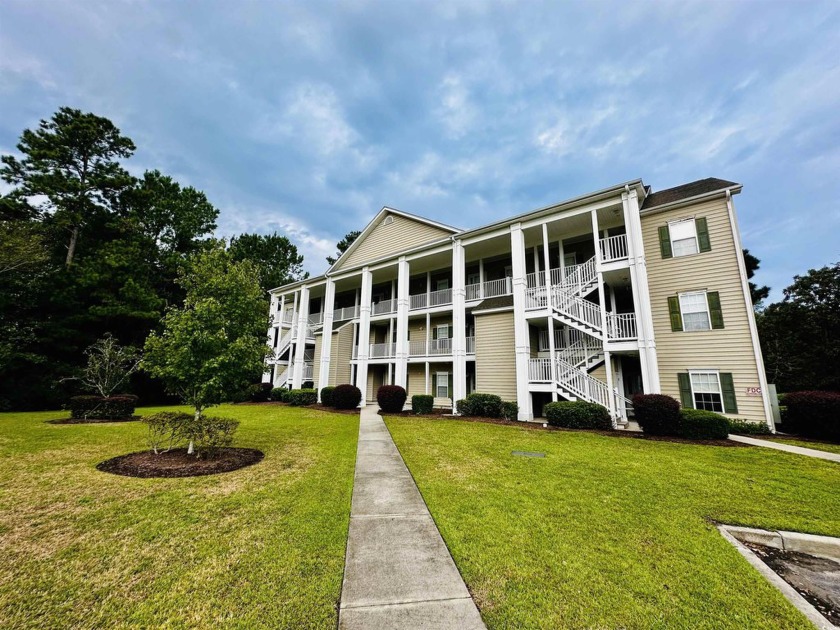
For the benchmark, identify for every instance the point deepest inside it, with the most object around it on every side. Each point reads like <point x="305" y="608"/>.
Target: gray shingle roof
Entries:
<point x="686" y="191"/>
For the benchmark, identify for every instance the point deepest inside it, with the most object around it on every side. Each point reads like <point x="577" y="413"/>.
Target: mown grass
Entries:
<point x="259" y="547"/>
<point x="611" y="532"/>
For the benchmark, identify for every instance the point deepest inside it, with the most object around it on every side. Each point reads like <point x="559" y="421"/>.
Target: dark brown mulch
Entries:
<point x="538" y="426"/>
<point x="348" y="412"/>
<point x="176" y="463"/>
<point x="264" y="402"/>
<point x="91" y="421"/>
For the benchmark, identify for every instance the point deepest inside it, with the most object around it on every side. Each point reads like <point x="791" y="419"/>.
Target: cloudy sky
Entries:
<point x="308" y="117"/>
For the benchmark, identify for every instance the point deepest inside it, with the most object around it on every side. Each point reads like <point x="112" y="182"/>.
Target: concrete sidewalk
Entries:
<point x="788" y="448"/>
<point x="398" y="572"/>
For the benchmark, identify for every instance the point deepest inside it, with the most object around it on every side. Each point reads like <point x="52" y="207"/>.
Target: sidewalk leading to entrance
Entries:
<point x="788" y="448"/>
<point x="398" y="572"/>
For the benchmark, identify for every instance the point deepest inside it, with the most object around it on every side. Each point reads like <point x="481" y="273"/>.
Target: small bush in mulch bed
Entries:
<point x="510" y="410"/>
<point x="813" y="414"/>
<point x="176" y="463"/>
<point x="422" y="403"/>
<point x="327" y="396"/>
<point x="391" y="398"/>
<point x="346" y="397"/>
<point x="259" y="392"/>
<point x="745" y="427"/>
<point x="97" y="408"/>
<point x="302" y="397"/>
<point x="481" y="405"/>
<point x="656" y="414"/>
<point x="577" y="415"/>
<point x="697" y="424"/>
<point x="279" y="394"/>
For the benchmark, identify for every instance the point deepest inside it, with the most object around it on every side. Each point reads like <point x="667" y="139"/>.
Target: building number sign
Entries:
<point x="753" y="391"/>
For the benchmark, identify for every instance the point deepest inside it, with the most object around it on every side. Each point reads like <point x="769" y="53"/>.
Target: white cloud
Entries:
<point x="455" y="111"/>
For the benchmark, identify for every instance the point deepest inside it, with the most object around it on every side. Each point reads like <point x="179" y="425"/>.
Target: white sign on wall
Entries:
<point x="753" y="391"/>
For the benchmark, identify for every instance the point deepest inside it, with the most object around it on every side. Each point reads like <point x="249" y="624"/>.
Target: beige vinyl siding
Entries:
<point x="316" y="360"/>
<point x="727" y="350"/>
<point x="340" y="353"/>
<point x="417" y="379"/>
<point x="385" y="240"/>
<point x="600" y="373"/>
<point x="495" y="355"/>
<point x="534" y="338"/>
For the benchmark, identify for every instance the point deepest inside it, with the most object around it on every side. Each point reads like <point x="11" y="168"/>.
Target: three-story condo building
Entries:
<point x="620" y="291"/>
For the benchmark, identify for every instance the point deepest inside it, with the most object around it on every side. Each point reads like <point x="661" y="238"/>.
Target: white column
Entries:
<point x="326" y="339"/>
<point x="459" y="325"/>
<point x="608" y="367"/>
<point x="481" y="278"/>
<point x="546" y="257"/>
<point x="641" y="292"/>
<point x="602" y="300"/>
<point x="402" y="323"/>
<point x="520" y="323"/>
<point x="300" y="348"/>
<point x="427" y="378"/>
<point x="363" y="348"/>
<point x="552" y="349"/>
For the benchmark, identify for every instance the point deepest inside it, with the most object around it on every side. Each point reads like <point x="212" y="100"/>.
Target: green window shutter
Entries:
<point x="686" y="400"/>
<point x="703" y="234"/>
<point x="449" y="385"/>
<point x="434" y="332"/>
<point x="434" y="384"/>
<point x="676" y="315"/>
<point x="665" y="241"/>
<point x="715" y="312"/>
<point x="727" y="388"/>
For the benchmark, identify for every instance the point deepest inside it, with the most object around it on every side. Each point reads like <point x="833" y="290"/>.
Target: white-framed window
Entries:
<point x="683" y="237"/>
<point x="442" y="285"/>
<point x="473" y="278"/>
<point x="706" y="391"/>
<point x="695" y="311"/>
<point x="442" y="331"/>
<point x="442" y="387"/>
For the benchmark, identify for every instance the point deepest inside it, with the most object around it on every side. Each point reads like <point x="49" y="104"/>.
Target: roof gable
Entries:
<point x="390" y="232"/>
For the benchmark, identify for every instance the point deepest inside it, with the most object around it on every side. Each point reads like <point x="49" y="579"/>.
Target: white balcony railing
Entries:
<point x="308" y="371"/>
<point x="417" y="301"/>
<point x="539" y="370"/>
<point x="288" y="317"/>
<point x="348" y="312"/>
<point x="495" y="288"/>
<point x="621" y="326"/>
<point x="383" y="307"/>
<point x="440" y="298"/>
<point x="382" y="350"/>
<point x="473" y="291"/>
<point x="470" y="345"/>
<point x="614" y="248"/>
<point x="316" y="318"/>
<point x="432" y="347"/>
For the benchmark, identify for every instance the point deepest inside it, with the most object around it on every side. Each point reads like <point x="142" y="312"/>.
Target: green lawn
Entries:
<point x="819" y="446"/>
<point x="610" y="532"/>
<point x="259" y="547"/>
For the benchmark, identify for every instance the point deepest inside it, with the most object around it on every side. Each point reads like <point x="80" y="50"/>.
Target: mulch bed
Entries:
<point x="351" y="412"/>
<point x="539" y="427"/>
<point x="176" y="463"/>
<point x="92" y="420"/>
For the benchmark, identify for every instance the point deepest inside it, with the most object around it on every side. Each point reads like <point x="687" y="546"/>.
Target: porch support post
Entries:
<point x="363" y="349"/>
<point x="614" y="412"/>
<point x="481" y="278"/>
<point x="300" y="348"/>
<point x="641" y="292"/>
<point x="402" y="323"/>
<point x="459" y="325"/>
<point x="546" y="257"/>
<point x="520" y="323"/>
<point x="326" y="337"/>
<point x="553" y="363"/>
<point x="427" y="378"/>
<point x="602" y="302"/>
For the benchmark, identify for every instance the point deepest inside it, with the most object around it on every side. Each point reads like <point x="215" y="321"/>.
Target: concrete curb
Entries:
<point x="777" y="540"/>
<point x="813" y="545"/>
<point x="787" y="448"/>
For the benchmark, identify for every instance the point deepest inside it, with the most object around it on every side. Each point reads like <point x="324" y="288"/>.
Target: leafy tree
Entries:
<point x="275" y="257"/>
<point x="22" y="246"/>
<point x="214" y="342"/>
<point x="757" y="293"/>
<point x="108" y="365"/>
<point x="800" y="336"/>
<point x="70" y="160"/>
<point x="343" y="245"/>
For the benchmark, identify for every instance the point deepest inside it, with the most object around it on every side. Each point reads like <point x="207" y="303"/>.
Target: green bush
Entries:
<point x="391" y="398"/>
<point x="278" y="394"/>
<point x="302" y="397"/>
<point x="101" y="408"/>
<point x="813" y="414"/>
<point x="259" y="392"/>
<point x="210" y="433"/>
<point x="480" y="405"/>
<point x="422" y="403"/>
<point x="698" y="424"/>
<point x="346" y="397"/>
<point x="577" y="415"/>
<point x="171" y="429"/>
<point x="510" y="410"/>
<point x="745" y="427"/>
<point x="656" y="414"/>
<point x="327" y="396"/>
<point x="166" y="429"/>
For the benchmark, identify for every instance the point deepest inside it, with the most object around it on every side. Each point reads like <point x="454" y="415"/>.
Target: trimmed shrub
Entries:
<point x="302" y="397"/>
<point x="510" y="410"/>
<point x="100" y="408"/>
<point x="346" y="397"/>
<point x="482" y="405"/>
<point x="210" y="433"/>
<point x="698" y="424"/>
<point x="327" y="396"/>
<point x="307" y="385"/>
<point x="259" y="392"/>
<point x="745" y="427"/>
<point x="656" y="414"/>
<point x="577" y="415"/>
<point x="171" y="429"/>
<point x="278" y="394"/>
<point x="422" y="403"/>
<point x="813" y="414"/>
<point x="166" y="429"/>
<point x="391" y="398"/>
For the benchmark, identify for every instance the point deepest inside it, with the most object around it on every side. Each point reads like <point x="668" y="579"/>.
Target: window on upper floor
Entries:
<point x="695" y="310"/>
<point x="684" y="237"/>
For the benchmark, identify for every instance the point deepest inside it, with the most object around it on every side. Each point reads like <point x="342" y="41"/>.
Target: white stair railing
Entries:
<point x="576" y="308"/>
<point x="582" y="351"/>
<point x="621" y="326"/>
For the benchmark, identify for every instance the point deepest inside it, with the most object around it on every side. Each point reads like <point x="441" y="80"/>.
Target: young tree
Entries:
<point x="212" y="344"/>
<point x="71" y="161"/>
<point x="343" y="245"/>
<point x="108" y="365"/>
<point x="757" y="293"/>
<point x="275" y="257"/>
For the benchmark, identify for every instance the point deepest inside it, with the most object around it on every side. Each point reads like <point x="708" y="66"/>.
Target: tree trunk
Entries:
<point x="191" y="447"/>
<point x="71" y="248"/>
